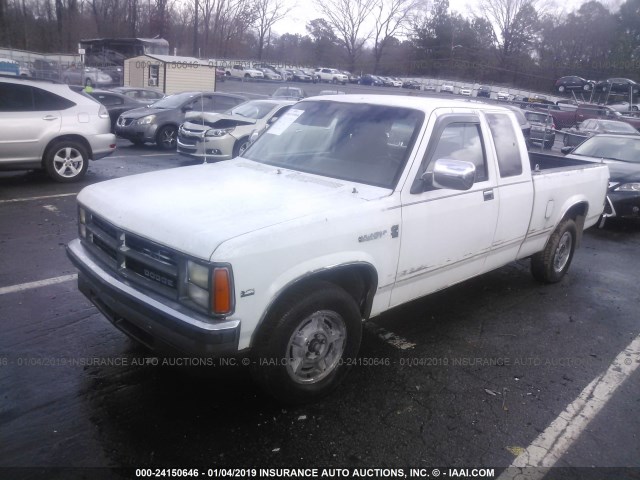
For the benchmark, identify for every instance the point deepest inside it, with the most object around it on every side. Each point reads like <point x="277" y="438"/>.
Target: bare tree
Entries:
<point x="268" y="13"/>
<point x="347" y="18"/>
<point x="392" y="17"/>
<point x="515" y="25"/>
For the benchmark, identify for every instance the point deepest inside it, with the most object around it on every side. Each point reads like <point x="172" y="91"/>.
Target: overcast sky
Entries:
<point x="304" y="11"/>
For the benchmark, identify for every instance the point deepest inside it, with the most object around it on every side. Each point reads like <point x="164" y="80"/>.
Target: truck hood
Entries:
<point x="195" y="209"/>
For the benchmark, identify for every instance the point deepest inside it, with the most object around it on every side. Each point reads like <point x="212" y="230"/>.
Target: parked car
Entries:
<point x="465" y="91"/>
<point x="621" y="153"/>
<point x="116" y="103"/>
<point x="429" y="87"/>
<point x="46" y="125"/>
<point x="290" y="93"/>
<point x="593" y="126"/>
<point x="45" y="69"/>
<point x="503" y="96"/>
<point x="89" y="76"/>
<point x="542" y="129"/>
<point x="446" y="88"/>
<point x="244" y="72"/>
<point x="352" y="78"/>
<point x="572" y="82"/>
<point x="331" y="92"/>
<point x="618" y="85"/>
<point x="624" y="107"/>
<point x="330" y="75"/>
<point x="280" y="254"/>
<point x="145" y="95"/>
<point x="158" y="123"/>
<point x="393" y="82"/>
<point x="221" y="136"/>
<point x="372" y="80"/>
<point x="484" y="91"/>
<point x="300" y="76"/>
<point x="411" y="85"/>
<point x="270" y="74"/>
<point x="13" y="67"/>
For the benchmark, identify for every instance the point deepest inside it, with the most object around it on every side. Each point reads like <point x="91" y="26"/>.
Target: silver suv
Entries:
<point x="46" y="125"/>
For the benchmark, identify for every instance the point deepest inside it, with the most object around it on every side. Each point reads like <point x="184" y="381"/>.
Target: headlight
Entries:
<point x="146" y="120"/>
<point x="210" y="288"/>
<point x="628" y="187"/>
<point x="218" y="132"/>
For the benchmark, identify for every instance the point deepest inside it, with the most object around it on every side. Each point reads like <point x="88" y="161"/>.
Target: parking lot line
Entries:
<point x="37" y="284"/>
<point x="28" y="199"/>
<point x="560" y="435"/>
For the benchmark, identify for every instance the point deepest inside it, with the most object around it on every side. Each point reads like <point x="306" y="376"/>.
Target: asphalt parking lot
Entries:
<point x="470" y="377"/>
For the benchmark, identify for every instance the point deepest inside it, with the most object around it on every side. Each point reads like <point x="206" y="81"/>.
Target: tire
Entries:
<point x="240" y="146"/>
<point x="303" y="350"/>
<point x="88" y="82"/>
<point x="66" y="161"/>
<point x="551" y="264"/>
<point x="335" y="81"/>
<point x="561" y="88"/>
<point x="587" y="87"/>
<point x="227" y="74"/>
<point x="167" y="137"/>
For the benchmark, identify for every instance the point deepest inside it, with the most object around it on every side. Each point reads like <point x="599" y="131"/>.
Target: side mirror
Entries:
<point x="567" y="149"/>
<point x="452" y="174"/>
<point x="187" y="108"/>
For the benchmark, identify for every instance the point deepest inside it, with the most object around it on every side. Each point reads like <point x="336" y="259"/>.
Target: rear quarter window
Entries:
<point x="505" y="141"/>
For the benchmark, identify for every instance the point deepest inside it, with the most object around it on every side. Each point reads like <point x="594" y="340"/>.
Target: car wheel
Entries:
<point x="66" y="161"/>
<point x="587" y="87"/>
<point x="551" y="264"/>
<point x="166" y="138"/>
<point x="561" y="88"/>
<point x="305" y="346"/>
<point x="227" y="74"/>
<point x="240" y="146"/>
<point x="88" y="82"/>
<point x="247" y="76"/>
<point x="634" y="108"/>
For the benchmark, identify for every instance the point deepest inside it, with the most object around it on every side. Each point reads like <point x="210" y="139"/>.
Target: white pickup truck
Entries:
<point x="344" y="208"/>
<point x="244" y="72"/>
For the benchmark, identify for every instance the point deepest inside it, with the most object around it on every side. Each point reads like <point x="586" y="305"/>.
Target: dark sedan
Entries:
<point x="593" y="126"/>
<point x="370" y="80"/>
<point x="617" y="85"/>
<point x="116" y="103"/>
<point x="542" y="129"/>
<point x="572" y="82"/>
<point x="621" y="153"/>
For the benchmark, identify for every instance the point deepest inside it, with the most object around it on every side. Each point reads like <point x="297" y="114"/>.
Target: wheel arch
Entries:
<point x="359" y="279"/>
<point x="71" y="137"/>
<point x="578" y="213"/>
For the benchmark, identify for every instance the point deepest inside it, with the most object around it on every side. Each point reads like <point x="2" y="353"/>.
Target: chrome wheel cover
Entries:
<point x="562" y="253"/>
<point x="68" y="162"/>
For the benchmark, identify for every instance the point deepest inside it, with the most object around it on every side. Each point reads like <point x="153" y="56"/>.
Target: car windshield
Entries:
<point x="617" y="127"/>
<point x="624" y="149"/>
<point x="174" y="101"/>
<point x="356" y="142"/>
<point x="252" y="109"/>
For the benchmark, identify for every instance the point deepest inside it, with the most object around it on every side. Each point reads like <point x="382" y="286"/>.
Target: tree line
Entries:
<point x="514" y="42"/>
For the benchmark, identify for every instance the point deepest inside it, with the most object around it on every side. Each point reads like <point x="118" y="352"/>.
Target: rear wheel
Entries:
<point x="551" y="264"/>
<point x="561" y="88"/>
<point x="304" y="349"/>
<point x="66" y="161"/>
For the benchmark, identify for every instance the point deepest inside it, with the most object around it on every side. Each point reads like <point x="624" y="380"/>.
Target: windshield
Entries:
<point x="174" y="101"/>
<point x="617" y="127"/>
<point x="356" y="142"/>
<point x="253" y="109"/>
<point x="625" y="149"/>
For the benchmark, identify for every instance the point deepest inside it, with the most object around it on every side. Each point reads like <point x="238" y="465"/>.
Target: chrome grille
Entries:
<point x="134" y="257"/>
<point x="124" y="122"/>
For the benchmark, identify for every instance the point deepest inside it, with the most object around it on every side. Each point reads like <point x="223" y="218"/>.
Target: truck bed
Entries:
<point x="543" y="162"/>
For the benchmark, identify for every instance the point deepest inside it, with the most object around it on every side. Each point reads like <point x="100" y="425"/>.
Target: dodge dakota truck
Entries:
<point x="344" y="208"/>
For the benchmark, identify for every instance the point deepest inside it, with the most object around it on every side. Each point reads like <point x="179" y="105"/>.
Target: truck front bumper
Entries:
<point x="149" y="318"/>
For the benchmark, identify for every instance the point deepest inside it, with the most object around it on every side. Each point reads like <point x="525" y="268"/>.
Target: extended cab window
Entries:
<point x="463" y="141"/>
<point x="504" y="138"/>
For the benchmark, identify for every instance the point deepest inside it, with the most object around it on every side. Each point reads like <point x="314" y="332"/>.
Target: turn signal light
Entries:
<point x="222" y="291"/>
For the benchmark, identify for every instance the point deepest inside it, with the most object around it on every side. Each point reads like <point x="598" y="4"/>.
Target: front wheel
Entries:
<point x="551" y="264"/>
<point x="240" y="146"/>
<point x="167" y="137"/>
<point x="66" y="161"/>
<point x="307" y="344"/>
<point x="561" y="88"/>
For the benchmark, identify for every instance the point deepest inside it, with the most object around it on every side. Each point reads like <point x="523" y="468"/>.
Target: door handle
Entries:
<point x="488" y="195"/>
<point x="49" y="117"/>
